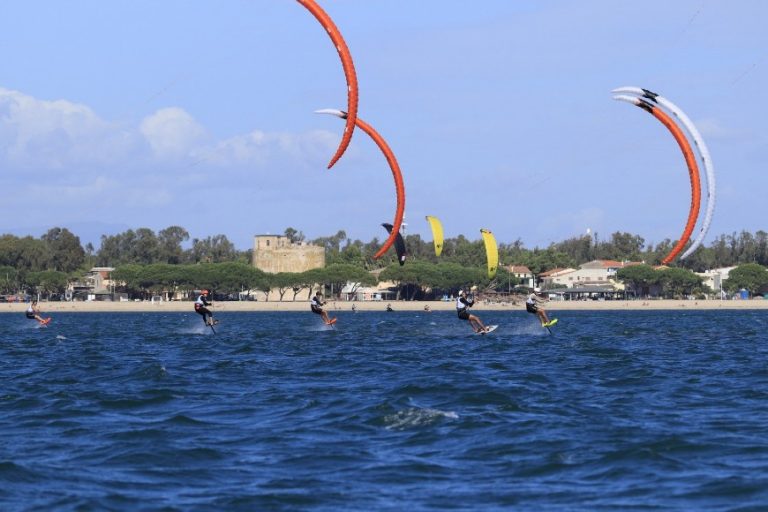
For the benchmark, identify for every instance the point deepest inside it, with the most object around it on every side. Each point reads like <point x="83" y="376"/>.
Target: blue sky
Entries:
<point x="128" y="114"/>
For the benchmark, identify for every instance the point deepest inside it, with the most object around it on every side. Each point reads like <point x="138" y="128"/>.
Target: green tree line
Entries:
<point x="60" y="250"/>
<point x="678" y="282"/>
<point x="674" y="283"/>
<point x="725" y="251"/>
<point x="234" y="280"/>
<point x="48" y="263"/>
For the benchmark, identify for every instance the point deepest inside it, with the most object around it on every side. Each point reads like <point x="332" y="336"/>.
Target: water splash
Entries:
<point x="414" y="417"/>
<point x="529" y="328"/>
<point x="321" y="327"/>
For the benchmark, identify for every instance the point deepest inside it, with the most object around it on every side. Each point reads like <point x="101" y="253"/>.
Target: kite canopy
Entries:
<point x="698" y="142"/>
<point x="491" y="252"/>
<point x="396" y="174"/>
<point x="437" y="234"/>
<point x="399" y="243"/>
<point x="349" y="73"/>
<point x="690" y="160"/>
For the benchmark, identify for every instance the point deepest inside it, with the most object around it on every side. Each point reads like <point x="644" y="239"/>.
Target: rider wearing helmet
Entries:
<point x="463" y="303"/>
<point x="201" y="307"/>
<point x="533" y="305"/>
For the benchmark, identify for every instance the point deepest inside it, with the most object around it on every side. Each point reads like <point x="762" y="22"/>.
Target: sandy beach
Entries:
<point x="266" y="306"/>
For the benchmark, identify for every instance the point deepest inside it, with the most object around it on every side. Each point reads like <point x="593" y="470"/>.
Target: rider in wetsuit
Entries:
<point x="462" y="309"/>
<point x="533" y="305"/>
<point x="201" y="308"/>
<point x="33" y="312"/>
<point x="316" y="305"/>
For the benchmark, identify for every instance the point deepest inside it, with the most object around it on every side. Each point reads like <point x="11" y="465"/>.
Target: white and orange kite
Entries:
<point x="651" y="103"/>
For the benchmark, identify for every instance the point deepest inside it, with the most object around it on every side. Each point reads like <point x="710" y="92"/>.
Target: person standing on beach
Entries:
<point x="533" y="305"/>
<point x="201" y="308"/>
<point x="316" y="305"/>
<point x="463" y="304"/>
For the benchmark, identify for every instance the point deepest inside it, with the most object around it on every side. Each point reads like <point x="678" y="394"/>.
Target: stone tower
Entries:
<point x="274" y="253"/>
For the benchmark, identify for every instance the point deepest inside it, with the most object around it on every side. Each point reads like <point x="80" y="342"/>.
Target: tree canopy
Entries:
<point x="751" y="277"/>
<point x="171" y="256"/>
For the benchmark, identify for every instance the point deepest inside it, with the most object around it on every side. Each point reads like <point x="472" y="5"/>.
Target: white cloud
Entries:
<point x="57" y="134"/>
<point x="72" y="193"/>
<point x="172" y="133"/>
<point x="260" y="149"/>
<point x="74" y="165"/>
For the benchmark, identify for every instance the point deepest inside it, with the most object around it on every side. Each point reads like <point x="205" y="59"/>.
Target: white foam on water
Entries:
<point x="30" y="325"/>
<point x="199" y="329"/>
<point x="416" y="417"/>
<point x="322" y="326"/>
<point x="530" y="328"/>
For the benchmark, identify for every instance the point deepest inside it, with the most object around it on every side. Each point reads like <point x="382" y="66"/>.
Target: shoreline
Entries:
<point x="290" y="306"/>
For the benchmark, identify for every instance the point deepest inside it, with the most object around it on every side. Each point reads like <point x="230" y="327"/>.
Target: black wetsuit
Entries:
<point x="201" y="309"/>
<point x="532" y="304"/>
<point x="315" y="304"/>
<point x="462" y="307"/>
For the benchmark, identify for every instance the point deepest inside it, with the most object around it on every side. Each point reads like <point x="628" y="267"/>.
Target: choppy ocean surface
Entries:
<point x="389" y="411"/>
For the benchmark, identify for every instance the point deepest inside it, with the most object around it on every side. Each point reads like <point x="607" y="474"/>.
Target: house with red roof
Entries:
<point x="522" y="273"/>
<point x="600" y="273"/>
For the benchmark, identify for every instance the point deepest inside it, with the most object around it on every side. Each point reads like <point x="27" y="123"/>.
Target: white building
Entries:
<point x="594" y="273"/>
<point x="97" y="284"/>
<point x="714" y="278"/>
<point x="556" y="278"/>
<point x="522" y="273"/>
<point x="357" y="292"/>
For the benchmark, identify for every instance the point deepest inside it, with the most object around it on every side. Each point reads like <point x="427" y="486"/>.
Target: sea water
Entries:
<point x="388" y="411"/>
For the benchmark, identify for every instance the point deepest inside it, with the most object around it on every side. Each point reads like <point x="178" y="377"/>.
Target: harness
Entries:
<point x="462" y="307"/>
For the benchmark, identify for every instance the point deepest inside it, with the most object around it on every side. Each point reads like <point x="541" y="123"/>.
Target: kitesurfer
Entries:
<point x="201" y="308"/>
<point x="389" y="308"/>
<point x="316" y="304"/>
<point x="533" y="305"/>
<point x="463" y="303"/>
<point x="33" y="312"/>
